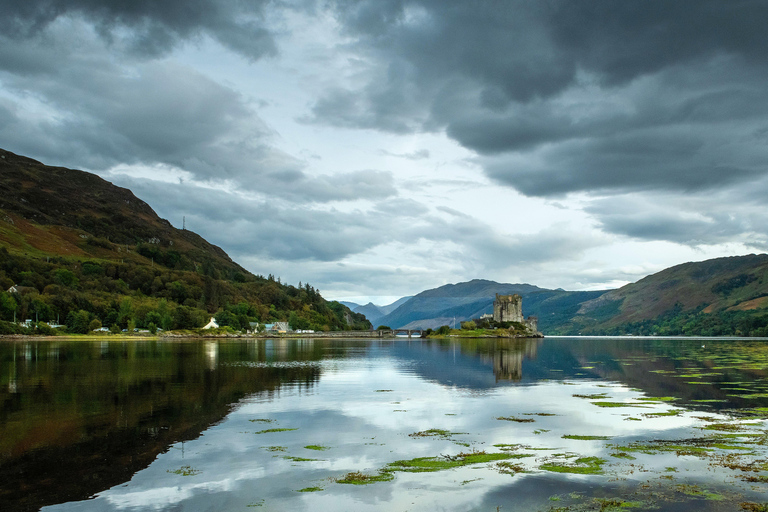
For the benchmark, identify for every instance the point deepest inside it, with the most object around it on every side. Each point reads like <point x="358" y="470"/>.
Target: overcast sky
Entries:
<point x="377" y="148"/>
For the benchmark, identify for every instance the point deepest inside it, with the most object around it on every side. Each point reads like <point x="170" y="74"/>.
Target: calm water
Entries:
<point x="577" y="423"/>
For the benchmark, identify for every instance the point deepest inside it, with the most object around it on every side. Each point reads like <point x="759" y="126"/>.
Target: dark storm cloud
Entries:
<point x="149" y="27"/>
<point x="565" y="96"/>
<point x="98" y="114"/>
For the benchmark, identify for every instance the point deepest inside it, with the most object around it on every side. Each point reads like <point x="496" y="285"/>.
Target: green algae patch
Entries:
<point x="435" y="432"/>
<point x="618" y="404"/>
<point x="358" y="478"/>
<point x="507" y="447"/>
<point x="262" y="420"/>
<point x="695" y="490"/>
<point x="580" y="466"/>
<point x="586" y="438"/>
<point x="516" y="419"/>
<point x="310" y="489"/>
<point x="726" y="427"/>
<point x="443" y="462"/>
<point x="300" y="459"/>
<point x="185" y="471"/>
<point x="658" y="399"/>
<point x="271" y="430"/>
<point x="275" y="448"/>
<point x="595" y="396"/>
<point x="675" y="412"/>
<point x="509" y="468"/>
<point x="317" y="447"/>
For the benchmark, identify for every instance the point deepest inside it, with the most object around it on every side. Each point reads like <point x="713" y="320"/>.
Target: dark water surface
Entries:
<point x="553" y="424"/>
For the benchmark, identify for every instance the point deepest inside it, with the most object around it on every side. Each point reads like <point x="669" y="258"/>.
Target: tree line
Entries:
<point x="169" y="293"/>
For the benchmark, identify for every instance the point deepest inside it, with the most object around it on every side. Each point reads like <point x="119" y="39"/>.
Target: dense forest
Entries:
<point x="89" y="294"/>
<point x="693" y="323"/>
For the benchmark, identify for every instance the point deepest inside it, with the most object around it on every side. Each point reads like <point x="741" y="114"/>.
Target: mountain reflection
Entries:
<point x="77" y="418"/>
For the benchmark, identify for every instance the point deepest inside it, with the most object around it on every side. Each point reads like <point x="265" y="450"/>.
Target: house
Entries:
<point x="279" y="327"/>
<point x="212" y="324"/>
<point x="22" y="290"/>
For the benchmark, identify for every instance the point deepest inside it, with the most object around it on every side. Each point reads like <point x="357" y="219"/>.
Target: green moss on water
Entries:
<point x="358" y="478"/>
<point x="695" y="490"/>
<point x="300" y="459"/>
<point x="275" y="448"/>
<point x="310" y="489"/>
<point x="586" y="438"/>
<point x="618" y="404"/>
<point x="271" y="430"/>
<point x="580" y="466"/>
<point x="658" y="399"/>
<point x="443" y="462"/>
<point x="435" y="432"/>
<point x="508" y="468"/>
<point x="262" y="420"/>
<point x="185" y="471"/>
<point x="317" y="447"/>
<point x="675" y="412"/>
<point x="516" y="419"/>
<point x="507" y="447"/>
<point x="595" y="396"/>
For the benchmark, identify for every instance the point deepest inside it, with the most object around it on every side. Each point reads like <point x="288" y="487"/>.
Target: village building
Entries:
<point x="212" y="324"/>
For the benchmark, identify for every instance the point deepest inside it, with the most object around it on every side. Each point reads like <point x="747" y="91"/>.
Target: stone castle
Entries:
<point x="509" y="308"/>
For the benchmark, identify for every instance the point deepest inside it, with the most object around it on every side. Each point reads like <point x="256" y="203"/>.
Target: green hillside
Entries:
<point x="723" y="296"/>
<point x="85" y="251"/>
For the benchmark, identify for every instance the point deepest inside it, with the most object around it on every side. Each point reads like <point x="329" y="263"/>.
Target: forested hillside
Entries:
<point x="84" y="252"/>
<point x="717" y="297"/>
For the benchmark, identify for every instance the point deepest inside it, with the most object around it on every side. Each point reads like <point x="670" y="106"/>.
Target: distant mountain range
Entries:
<point x="723" y="296"/>
<point x="373" y="312"/>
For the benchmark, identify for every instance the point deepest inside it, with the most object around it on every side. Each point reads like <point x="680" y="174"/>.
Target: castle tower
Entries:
<point x="508" y="308"/>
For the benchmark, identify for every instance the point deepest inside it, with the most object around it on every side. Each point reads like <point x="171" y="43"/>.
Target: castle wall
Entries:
<point x="508" y="308"/>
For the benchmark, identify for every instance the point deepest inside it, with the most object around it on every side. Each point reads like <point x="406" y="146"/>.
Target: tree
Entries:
<point x="8" y="306"/>
<point x="383" y="328"/>
<point x="78" y="321"/>
<point x="95" y="324"/>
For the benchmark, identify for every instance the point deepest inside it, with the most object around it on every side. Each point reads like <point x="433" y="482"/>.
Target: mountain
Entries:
<point x="718" y="297"/>
<point x="85" y="250"/>
<point x="373" y="312"/>
<point x="464" y="301"/>
<point x="722" y="296"/>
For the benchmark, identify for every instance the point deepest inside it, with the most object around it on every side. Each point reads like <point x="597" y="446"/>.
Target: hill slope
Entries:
<point x="723" y="296"/>
<point x="79" y="245"/>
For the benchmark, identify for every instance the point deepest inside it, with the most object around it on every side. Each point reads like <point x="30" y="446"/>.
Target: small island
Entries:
<point x="507" y="321"/>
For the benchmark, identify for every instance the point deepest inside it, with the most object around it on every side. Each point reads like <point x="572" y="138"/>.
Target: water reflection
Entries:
<point x="78" y="418"/>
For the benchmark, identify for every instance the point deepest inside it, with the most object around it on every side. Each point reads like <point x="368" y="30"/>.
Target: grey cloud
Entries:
<point x="149" y="27"/>
<point x="579" y="96"/>
<point x="725" y="216"/>
<point x="101" y="115"/>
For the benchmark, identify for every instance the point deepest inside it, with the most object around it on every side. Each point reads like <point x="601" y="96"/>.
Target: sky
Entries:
<point x="378" y="148"/>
